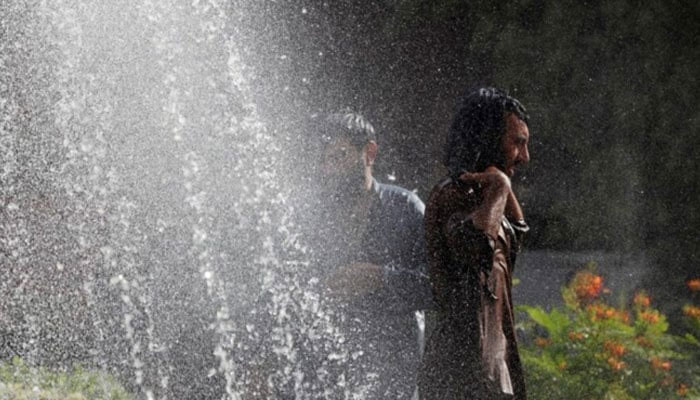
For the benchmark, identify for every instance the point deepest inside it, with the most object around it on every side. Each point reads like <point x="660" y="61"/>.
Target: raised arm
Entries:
<point x="496" y="195"/>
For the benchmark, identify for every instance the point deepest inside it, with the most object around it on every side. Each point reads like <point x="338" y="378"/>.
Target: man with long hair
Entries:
<point x="474" y="227"/>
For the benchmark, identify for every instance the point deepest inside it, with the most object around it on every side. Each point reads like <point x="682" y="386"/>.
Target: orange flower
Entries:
<point x="644" y="342"/>
<point x="694" y="285"/>
<point x="576" y="336"/>
<point x="616" y="364"/>
<point x="624" y="316"/>
<point x="642" y="300"/>
<point x="614" y="348"/>
<point x="682" y="390"/>
<point x="660" y="365"/>
<point x="587" y="286"/>
<point x="668" y="381"/>
<point x="597" y="311"/>
<point x="651" y="317"/>
<point x="601" y="312"/>
<point x="542" y="342"/>
<point x="691" y="311"/>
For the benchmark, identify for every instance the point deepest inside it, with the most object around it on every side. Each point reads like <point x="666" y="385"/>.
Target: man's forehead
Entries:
<point x="516" y="125"/>
<point x="336" y="139"/>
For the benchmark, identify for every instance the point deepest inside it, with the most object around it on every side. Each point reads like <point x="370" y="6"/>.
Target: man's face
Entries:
<point x="514" y="144"/>
<point x="341" y="164"/>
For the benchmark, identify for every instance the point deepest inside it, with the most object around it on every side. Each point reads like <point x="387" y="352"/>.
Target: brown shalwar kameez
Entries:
<point x="472" y="353"/>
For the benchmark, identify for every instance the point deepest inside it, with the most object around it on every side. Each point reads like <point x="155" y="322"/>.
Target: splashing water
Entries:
<point x="147" y="229"/>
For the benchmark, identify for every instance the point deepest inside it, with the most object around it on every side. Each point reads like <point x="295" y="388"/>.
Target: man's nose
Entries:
<point x="525" y="155"/>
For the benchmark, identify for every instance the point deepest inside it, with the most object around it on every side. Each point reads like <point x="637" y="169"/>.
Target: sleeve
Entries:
<point x="471" y="248"/>
<point x="467" y="243"/>
<point x="408" y="282"/>
<point x="520" y="229"/>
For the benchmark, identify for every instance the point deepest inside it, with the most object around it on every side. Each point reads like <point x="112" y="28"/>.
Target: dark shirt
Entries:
<point x="395" y="240"/>
<point x="382" y="338"/>
<point x="386" y="326"/>
<point x="368" y="347"/>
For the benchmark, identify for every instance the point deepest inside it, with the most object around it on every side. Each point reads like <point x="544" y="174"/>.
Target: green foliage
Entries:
<point x="591" y="350"/>
<point x="555" y="322"/>
<point x="20" y="381"/>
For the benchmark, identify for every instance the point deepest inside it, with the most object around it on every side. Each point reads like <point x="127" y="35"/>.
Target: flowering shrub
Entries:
<point x="19" y="381"/>
<point x="694" y="285"/>
<point x="692" y="312"/>
<point x="592" y="350"/>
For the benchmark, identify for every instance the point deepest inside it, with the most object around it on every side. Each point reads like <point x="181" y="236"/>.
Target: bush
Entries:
<point x="19" y="381"/>
<point x="592" y="350"/>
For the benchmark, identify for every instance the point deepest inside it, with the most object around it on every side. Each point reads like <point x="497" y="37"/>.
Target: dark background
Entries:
<point x="610" y="87"/>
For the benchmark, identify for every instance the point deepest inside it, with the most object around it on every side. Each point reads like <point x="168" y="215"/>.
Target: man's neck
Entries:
<point x="369" y="180"/>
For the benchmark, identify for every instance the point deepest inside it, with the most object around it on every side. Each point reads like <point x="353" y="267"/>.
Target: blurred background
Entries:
<point x="610" y="87"/>
<point x="151" y="155"/>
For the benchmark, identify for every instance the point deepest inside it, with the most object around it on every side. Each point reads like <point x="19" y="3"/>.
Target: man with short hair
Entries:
<point x="371" y="240"/>
<point x="474" y="227"/>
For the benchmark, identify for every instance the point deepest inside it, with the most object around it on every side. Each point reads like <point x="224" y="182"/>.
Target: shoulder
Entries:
<point x="449" y="195"/>
<point x="445" y="191"/>
<point x="446" y="185"/>
<point x="398" y="197"/>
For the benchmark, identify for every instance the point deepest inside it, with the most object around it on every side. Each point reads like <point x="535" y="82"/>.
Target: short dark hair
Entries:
<point x="473" y="141"/>
<point x="356" y="127"/>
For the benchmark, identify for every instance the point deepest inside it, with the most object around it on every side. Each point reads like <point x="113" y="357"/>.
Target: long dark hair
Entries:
<point x="474" y="139"/>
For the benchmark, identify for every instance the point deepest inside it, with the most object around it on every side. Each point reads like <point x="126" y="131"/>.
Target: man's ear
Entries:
<point x="371" y="150"/>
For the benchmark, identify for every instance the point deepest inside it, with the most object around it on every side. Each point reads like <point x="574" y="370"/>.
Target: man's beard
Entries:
<point x="337" y="200"/>
<point x="343" y="188"/>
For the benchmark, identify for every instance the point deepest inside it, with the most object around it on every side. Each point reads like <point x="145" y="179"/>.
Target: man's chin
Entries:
<point x="339" y="188"/>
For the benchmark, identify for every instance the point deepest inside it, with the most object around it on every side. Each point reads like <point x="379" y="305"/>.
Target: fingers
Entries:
<point x="492" y="178"/>
<point x="495" y="190"/>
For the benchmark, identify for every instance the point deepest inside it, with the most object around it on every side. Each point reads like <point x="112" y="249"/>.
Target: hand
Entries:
<point x="513" y="211"/>
<point x="496" y="190"/>
<point x="492" y="176"/>
<point x="354" y="281"/>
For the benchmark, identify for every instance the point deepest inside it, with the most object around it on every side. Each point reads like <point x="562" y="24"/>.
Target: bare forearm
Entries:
<point x="489" y="215"/>
<point x="513" y="210"/>
<point x="496" y="193"/>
